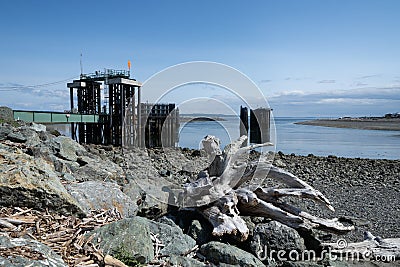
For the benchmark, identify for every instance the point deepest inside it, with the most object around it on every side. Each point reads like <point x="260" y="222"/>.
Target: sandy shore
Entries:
<point x="363" y="124"/>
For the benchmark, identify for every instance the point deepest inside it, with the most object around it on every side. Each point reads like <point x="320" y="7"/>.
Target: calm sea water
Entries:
<point x="298" y="139"/>
<point x="303" y="139"/>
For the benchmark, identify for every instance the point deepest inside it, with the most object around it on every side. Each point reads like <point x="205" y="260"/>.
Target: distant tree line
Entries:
<point x="392" y="115"/>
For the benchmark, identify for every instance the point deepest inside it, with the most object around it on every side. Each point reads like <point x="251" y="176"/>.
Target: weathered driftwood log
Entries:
<point x="229" y="181"/>
<point x="372" y="248"/>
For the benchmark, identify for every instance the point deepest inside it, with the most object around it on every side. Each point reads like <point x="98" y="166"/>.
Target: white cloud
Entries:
<point x="289" y="93"/>
<point x="358" y="101"/>
<point x="369" y="76"/>
<point x="361" y="84"/>
<point x="327" y="81"/>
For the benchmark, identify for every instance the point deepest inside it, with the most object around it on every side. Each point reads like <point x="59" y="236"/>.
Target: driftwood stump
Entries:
<point x="224" y="191"/>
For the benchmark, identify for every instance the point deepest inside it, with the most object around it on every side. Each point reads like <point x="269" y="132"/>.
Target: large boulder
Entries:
<point x="185" y="261"/>
<point x="127" y="239"/>
<point x="67" y="148"/>
<point x="62" y="166"/>
<point x="16" y="137"/>
<point x="152" y="200"/>
<point x="145" y="184"/>
<point x="155" y="177"/>
<point x="29" y="136"/>
<point x="16" y="252"/>
<point x="273" y="237"/>
<point x="69" y="157"/>
<point x="220" y="253"/>
<point x="37" y="127"/>
<point x="174" y="240"/>
<point x="32" y="182"/>
<point x="94" y="168"/>
<point x="94" y="195"/>
<point x="131" y="238"/>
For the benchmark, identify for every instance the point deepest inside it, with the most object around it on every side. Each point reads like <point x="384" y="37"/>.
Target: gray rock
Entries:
<point x="97" y="169"/>
<point x="199" y="233"/>
<point x="257" y="220"/>
<point x="41" y="151"/>
<point x="4" y="131"/>
<point x="37" y="127"/>
<point x="32" y="182"/>
<point x="164" y="172"/>
<point x="118" y="159"/>
<point x="132" y="237"/>
<point x="70" y="157"/>
<point x="219" y="253"/>
<point x="148" y="205"/>
<point x="31" y="136"/>
<point x="68" y="177"/>
<point x="16" y="137"/>
<point x="144" y="179"/>
<point x="129" y="238"/>
<point x="48" y="135"/>
<point x="185" y="261"/>
<point x="167" y="220"/>
<point x="36" y="254"/>
<point x="23" y="134"/>
<point x="274" y="236"/>
<point x="279" y="163"/>
<point x="64" y="166"/>
<point x="68" y="149"/>
<point x="174" y="240"/>
<point x="94" y="195"/>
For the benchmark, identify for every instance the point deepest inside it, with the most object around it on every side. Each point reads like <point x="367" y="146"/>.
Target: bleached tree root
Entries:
<point x="231" y="181"/>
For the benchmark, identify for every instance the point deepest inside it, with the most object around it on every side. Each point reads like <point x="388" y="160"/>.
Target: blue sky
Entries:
<point x="309" y="57"/>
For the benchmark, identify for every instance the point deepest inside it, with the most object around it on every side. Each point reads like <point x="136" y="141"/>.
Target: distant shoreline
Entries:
<point x="391" y="124"/>
<point x="190" y="119"/>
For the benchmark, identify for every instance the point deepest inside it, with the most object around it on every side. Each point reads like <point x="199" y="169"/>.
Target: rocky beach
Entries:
<point x="200" y="134"/>
<point x="66" y="204"/>
<point x="364" y="191"/>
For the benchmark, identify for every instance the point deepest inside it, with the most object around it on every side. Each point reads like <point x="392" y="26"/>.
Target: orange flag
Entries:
<point x="129" y="64"/>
